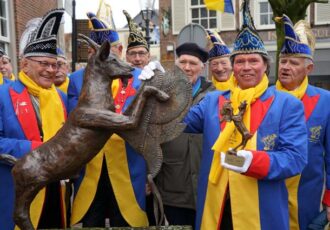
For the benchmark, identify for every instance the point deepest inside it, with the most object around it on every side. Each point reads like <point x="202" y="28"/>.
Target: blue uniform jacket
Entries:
<point x="281" y="135"/>
<point x="306" y="200"/>
<point x="13" y="141"/>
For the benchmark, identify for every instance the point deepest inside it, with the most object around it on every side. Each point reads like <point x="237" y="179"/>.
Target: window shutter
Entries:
<point x="227" y="21"/>
<point x="322" y="15"/>
<point x="179" y="15"/>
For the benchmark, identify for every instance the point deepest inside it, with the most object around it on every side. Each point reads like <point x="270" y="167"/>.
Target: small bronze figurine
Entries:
<point x="228" y="115"/>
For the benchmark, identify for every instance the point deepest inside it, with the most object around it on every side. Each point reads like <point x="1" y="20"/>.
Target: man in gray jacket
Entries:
<point x="177" y="180"/>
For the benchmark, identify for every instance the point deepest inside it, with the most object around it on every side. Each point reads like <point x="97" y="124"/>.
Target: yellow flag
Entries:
<point x="104" y="13"/>
<point x="220" y="5"/>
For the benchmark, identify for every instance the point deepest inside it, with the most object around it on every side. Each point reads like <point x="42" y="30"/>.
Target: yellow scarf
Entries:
<point x="12" y="77"/>
<point x="51" y="107"/>
<point x="64" y="86"/>
<point x="52" y="119"/>
<point x="298" y="92"/>
<point x="217" y="188"/>
<point x="228" y="138"/>
<point x="227" y="85"/>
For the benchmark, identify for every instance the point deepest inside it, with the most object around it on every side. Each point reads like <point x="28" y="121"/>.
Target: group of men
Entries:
<point x="279" y="185"/>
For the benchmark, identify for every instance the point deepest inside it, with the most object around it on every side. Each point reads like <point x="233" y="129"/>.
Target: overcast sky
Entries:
<point x="133" y="7"/>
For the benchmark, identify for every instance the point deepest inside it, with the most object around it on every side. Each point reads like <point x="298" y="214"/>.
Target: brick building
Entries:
<point x="179" y="13"/>
<point x="14" y="14"/>
<point x="83" y="27"/>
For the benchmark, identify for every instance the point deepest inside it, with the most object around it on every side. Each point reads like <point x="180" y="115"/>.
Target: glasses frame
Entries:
<point x="61" y="64"/>
<point x="45" y="64"/>
<point x="139" y="53"/>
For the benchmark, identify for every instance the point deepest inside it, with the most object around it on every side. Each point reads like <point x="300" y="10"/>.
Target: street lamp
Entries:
<point x="146" y="14"/>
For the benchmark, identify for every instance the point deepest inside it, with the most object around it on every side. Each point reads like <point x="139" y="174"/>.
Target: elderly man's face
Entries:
<point x="220" y="68"/>
<point x="5" y="67"/>
<point x="42" y="70"/>
<point x="138" y="57"/>
<point x="249" y="70"/>
<point x="62" y="71"/>
<point x="292" y="71"/>
<point x="192" y="66"/>
<point x="117" y="50"/>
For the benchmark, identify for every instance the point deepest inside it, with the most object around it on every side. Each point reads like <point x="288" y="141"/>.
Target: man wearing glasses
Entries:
<point x="32" y="110"/>
<point x="138" y="56"/>
<point x="137" y="52"/>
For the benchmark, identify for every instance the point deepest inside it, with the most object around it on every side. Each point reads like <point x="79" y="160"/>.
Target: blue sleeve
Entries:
<point x="64" y="98"/>
<point x="290" y="156"/>
<point x="326" y="144"/>
<point x="195" y="117"/>
<point x="73" y="93"/>
<point x="14" y="146"/>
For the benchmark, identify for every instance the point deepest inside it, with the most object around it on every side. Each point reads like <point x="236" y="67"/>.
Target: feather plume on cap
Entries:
<point x="43" y="40"/>
<point x="30" y="27"/>
<point x="305" y="33"/>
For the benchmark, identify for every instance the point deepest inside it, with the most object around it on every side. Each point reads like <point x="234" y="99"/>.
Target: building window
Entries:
<point x="202" y="16"/>
<point x="4" y="28"/>
<point x="264" y="15"/>
<point x="322" y="15"/>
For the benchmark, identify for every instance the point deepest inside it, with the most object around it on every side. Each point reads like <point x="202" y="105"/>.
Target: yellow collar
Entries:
<point x="298" y="92"/>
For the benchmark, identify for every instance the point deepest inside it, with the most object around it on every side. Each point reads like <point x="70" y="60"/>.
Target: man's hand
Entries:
<point x="148" y="71"/>
<point x="247" y="155"/>
<point x="148" y="189"/>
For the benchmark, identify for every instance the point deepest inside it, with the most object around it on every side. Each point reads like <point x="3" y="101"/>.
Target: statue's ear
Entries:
<point x="104" y="51"/>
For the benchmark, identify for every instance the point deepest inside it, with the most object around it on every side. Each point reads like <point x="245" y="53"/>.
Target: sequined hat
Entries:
<point x="60" y="53"/>
<point x="42" y="41"/>
<point x="193" y="49"/>
<point x="248" y="40"/>
<point x="102" y="31"/>
<point x="135" y="38"/>
<point x="2" y="52"/>
<point x="219" y="48"/>
<point x="293" y="46"/>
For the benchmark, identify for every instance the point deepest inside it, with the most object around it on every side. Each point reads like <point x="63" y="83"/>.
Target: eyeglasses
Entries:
<point x="140" y="53"/>
<point x="45" y="64"/>
<point x="60" y="64"/>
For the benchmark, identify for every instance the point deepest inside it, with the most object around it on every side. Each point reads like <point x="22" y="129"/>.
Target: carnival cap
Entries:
<point x="293" y="46"/>
<point x="102" y="31"/>
<point x="219" y="48"/>
<point x="4" y="54"/>
<point x="192" y="49"/>
<point x="248" y="40"/>
<point x="42" y="41"/>
<point x="135" y="38"/>
<point x="60" y="53"/>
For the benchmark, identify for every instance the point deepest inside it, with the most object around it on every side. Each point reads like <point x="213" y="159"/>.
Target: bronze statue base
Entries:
<point x="233" y="159"/>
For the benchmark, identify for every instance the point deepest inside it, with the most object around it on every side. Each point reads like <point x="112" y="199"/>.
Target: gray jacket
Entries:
<point x="177" y="180"/>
